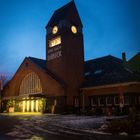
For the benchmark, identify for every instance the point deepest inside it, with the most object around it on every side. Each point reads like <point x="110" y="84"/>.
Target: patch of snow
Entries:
<point x="103" y="127"/>
<point x="59" y="124"/>
<point x="123" y="134"/>
<point x="97" y="132"/>
<point x="83" y="122"/>
<point x="12" y="133"/>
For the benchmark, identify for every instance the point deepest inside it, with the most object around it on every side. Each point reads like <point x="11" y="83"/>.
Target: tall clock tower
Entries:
<point x="64" y="49"/>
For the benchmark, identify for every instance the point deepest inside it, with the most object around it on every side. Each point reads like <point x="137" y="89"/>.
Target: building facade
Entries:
<point x="110" y="87"/>
<point x="64" y="82"/>
<point x="51" y="85"/>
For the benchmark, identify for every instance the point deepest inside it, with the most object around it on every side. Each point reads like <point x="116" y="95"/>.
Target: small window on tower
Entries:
<point x="54" y="42"/>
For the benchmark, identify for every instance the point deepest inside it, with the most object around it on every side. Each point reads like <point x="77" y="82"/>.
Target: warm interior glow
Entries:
<point x="23" y="106"/>
<point x="55" y="30"/>
<point x="36" y="105"/>
<point x="28" y="105"/>
<point x="73" y="29"/>
<point x="55" y="41"/>
<point x="32" y="105"/>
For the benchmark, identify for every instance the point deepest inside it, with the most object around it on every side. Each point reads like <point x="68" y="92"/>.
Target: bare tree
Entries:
<point x="3" y="80"/>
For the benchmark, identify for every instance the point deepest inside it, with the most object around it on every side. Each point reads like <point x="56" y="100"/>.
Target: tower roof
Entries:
<point x="67" y="12"/>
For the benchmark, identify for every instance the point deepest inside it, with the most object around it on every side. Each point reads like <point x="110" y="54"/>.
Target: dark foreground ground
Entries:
<point x="47" y="127"/>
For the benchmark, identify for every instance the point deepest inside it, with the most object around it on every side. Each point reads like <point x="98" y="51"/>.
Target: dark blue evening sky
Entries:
<point x="109" y="27"/>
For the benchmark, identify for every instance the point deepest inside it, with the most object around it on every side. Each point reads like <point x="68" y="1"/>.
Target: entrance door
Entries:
<point x="30" y="106"/>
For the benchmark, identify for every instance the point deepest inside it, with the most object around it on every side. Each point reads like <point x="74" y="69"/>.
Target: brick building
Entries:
<point x="64" y="82"/>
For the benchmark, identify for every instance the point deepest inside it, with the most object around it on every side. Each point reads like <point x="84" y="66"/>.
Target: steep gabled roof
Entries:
<point x="42" y="64"/>
<point x="137" y="56"/>
<point x="39" y="62"/>
<point x="64" y="13"/>
<point x="107" y="70"/>
<point x="134" y="63"/>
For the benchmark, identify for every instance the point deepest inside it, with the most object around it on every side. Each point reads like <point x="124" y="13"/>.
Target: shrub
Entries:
<point x="124" y="125"/>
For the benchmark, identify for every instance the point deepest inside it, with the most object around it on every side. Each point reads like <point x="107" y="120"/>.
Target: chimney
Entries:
<point x="124" y="57"/>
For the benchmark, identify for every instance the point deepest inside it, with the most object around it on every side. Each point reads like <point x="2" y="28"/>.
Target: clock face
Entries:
<point x="55" y="30"/>
<point x="74" y="29"/>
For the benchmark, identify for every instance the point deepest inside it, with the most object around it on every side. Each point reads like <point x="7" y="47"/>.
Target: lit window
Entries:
<point x="30" y="84"/>
<point x="32" y="105"/>
<point x="55" y="41"/>
<point x="28" y="105"/>
<point x="74" y="29"/>
<point x="55" y="30"/>
<point x="23" y="109"/>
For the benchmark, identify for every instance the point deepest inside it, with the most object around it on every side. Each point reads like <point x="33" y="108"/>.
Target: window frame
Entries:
<point x="111" y="99"/>
<point x="99" y="103"/>
<point x="91" y="101"/>
<point x="30" y="84"/>
<point x="115" y="100"/>
<point x="125" y="103"/>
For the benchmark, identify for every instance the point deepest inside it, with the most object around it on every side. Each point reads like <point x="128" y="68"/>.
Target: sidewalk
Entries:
<point x="21" y="113"/>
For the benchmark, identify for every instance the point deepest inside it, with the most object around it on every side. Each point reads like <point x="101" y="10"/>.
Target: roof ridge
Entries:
<point x="102" y="58"/>
<point x="44" y="67"/>
<point x="36" y="58"/>
<point x="64" y="6"/>
<point x="63" y="13"/>
<point x="134" y="56"/>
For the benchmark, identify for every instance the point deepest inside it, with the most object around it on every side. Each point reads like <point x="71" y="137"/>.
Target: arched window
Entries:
<point x="30" y="84"/>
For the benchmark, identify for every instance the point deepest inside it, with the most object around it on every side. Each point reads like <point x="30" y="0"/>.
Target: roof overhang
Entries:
<point x="110" y="85"/>
<point x="24" y="96"/>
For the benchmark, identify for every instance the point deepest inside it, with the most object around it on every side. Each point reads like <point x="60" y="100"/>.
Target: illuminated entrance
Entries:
<point x="30" y="86"/>
<point x="31" y="105"/>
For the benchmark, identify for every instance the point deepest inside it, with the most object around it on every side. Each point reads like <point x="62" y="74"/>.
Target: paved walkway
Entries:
<point x="48" y="126"/>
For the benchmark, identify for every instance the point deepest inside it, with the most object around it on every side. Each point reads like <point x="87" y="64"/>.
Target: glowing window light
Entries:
<point x="28" y="105"/>
<point x="23" y="106"/>
<point x="55" y="30"/>
<point x="32" y="105"/>
<point x="36" y="105"/>
<point x="55" y="41"/>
